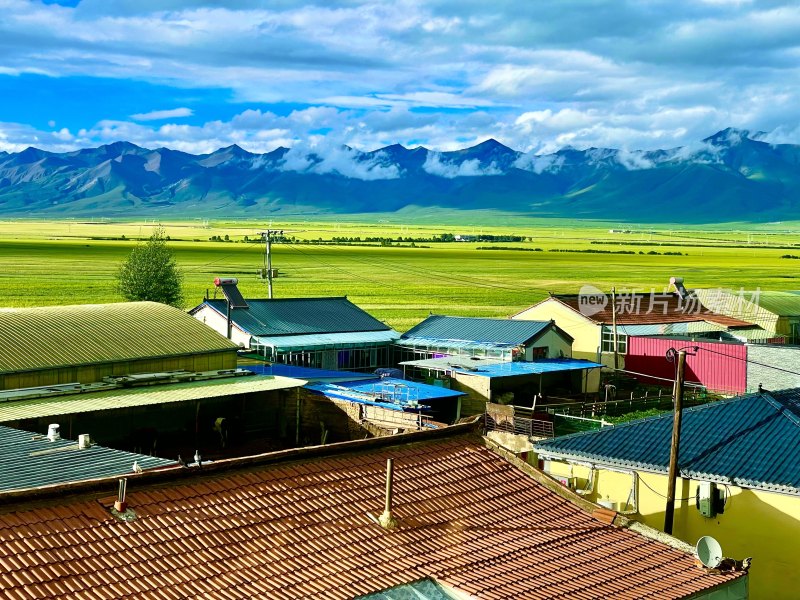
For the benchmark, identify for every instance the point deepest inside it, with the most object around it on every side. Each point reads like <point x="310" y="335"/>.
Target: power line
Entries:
<point x="410" y="270"/>
<point x="752" y="362"/>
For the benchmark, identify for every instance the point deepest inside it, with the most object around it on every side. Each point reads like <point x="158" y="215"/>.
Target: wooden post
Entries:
<point x="675" y="446"/>
<point x="614" y="324"/>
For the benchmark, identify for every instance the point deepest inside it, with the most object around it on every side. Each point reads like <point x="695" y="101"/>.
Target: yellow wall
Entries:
<point x="586" y="334"/>
<point x="763" y="525"/>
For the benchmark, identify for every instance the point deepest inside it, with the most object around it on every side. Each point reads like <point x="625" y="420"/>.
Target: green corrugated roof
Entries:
<point x="157" y="394"/>
<point x="57" y="336"/>
<point x="296" y="316"/>
<point x="751" y="303"/>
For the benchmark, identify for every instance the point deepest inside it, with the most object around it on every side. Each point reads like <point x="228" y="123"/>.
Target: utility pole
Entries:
<point x="267" y="235"/>
<point x="676" y="440"/>
<point x="614" y="324"/>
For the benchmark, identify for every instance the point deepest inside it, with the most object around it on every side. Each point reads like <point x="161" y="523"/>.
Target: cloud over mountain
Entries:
<point x="718" y="177"/>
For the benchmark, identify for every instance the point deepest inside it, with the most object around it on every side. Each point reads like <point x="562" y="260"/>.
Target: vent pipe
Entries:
<point x="120" y="505"/>
<point x="84" y="441"/>
<point x="387" y="520"/>
<point x="53" y="432"/>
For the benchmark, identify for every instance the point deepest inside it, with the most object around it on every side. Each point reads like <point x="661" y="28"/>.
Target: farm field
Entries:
<point x="67" y="262"/>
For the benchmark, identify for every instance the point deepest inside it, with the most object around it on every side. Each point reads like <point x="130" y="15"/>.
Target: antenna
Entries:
<point x="708" y="551"/>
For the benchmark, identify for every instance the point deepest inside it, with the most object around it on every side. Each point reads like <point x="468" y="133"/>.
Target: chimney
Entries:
<point x="84" y="441"/>
<point x="53" y="432"/>
<point x="677" y="283"/>
<point x="120" y="505"/>
<point x="387" y="520"/>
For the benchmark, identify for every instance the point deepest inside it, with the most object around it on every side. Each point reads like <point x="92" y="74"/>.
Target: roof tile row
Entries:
<point x="467" y="518"/>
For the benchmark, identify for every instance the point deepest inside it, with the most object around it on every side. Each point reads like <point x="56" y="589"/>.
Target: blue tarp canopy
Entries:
<point x="496" y="369"/>
<point x="397" y="394"/>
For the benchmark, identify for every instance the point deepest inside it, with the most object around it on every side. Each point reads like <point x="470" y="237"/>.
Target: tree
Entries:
<point x="151" y="273"/>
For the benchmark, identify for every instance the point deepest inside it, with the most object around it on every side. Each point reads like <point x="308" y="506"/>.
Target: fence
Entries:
<point x="520" y="420"/>
<point x="614" y="408"/>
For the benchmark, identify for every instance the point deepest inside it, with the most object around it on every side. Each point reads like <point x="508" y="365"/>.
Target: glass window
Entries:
<point x="608" y="342"/>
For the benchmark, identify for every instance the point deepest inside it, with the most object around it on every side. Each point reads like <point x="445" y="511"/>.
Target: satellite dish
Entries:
<point x="708" y="551"/>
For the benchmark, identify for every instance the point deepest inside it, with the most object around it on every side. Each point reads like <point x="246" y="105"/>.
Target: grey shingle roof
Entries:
<point x="475" y="329"/>
<point x="750" y="441"/>
<point x="30" y="460"/>
<point x="293" y="316"/>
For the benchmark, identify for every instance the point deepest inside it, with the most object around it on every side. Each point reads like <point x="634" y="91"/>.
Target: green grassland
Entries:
<point x="69" y="262"/>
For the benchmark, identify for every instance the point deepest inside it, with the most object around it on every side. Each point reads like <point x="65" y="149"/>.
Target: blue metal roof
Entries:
<point x="297" y="316"/>
<point x="397" y="394"/>
<point x="749" y="441"/>
<point x="474" y="329"/>
<point x="495" y="368"/>
<point x="307" y="373"/>
<point x="30" y="460"/>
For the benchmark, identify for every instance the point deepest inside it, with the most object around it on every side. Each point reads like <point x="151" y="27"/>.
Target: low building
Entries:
<point x="304" y="524"/>
<point x="55" y="345"/>
<point x="776" y="312"/>
<point x="739" y="478"/>
<point x="718" y="366"/>
<point x="29" y="461"/>
<point x="523" y="383"/>
<point x="325" y="333"/>
<point x="589" y="319"/>
<point x="504" y="339"/>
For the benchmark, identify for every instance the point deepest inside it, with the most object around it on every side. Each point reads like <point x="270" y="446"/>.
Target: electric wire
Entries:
<point x="752" y="362"/>
<point x="410" y="270"/>
<point x="659" y="493"/>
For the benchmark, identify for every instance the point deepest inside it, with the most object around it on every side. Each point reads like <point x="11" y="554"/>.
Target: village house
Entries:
<point x="494" y="359"/>
<point x="325" y="333"/>
<point x="440" y="335"/>
<point x="132" y="375"/>
<point x="776" y="312"/>
<point x="590" y="320"/>
<point x="739" y="478"/>
<point x="450" y="518"/>
<point x="31" y="460"/>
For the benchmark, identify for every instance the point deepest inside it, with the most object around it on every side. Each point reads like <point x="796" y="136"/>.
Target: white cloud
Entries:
<point x="634" y="160"/>
<point x="322" y="156"/>
<point x="436" y="165"/>
<point x="160" y="115"/>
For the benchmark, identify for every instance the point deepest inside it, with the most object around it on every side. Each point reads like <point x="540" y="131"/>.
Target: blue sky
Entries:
<point x="536" y="75"/>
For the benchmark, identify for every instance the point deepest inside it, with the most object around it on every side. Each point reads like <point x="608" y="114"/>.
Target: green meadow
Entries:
<point x="68" y="262"/>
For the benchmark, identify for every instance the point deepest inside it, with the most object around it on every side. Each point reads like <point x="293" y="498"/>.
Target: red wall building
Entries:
<point x="719" y="366"/>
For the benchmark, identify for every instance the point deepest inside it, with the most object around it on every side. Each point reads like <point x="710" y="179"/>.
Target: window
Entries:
<point x="539" y="352"/>
<point x="607" y="344"/>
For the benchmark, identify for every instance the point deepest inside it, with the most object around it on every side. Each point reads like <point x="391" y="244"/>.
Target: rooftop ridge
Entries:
<point x="180" y="474"/>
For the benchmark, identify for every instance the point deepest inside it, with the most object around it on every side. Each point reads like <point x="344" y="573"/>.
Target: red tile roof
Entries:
<point x="645" y="309"/>
<point x="468" y="518"/>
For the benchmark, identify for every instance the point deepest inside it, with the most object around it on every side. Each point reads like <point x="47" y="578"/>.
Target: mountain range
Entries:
<point x="734" y="175"/>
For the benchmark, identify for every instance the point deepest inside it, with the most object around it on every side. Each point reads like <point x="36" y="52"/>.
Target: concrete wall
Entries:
<point x="219" y="323"/>
<point x="784" y="357"/>
<point x="758" y="524"/>
<point x="92" y="373"/>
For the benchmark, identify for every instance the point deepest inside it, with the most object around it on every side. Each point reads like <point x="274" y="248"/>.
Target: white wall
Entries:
<point x="219" y="323"/>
